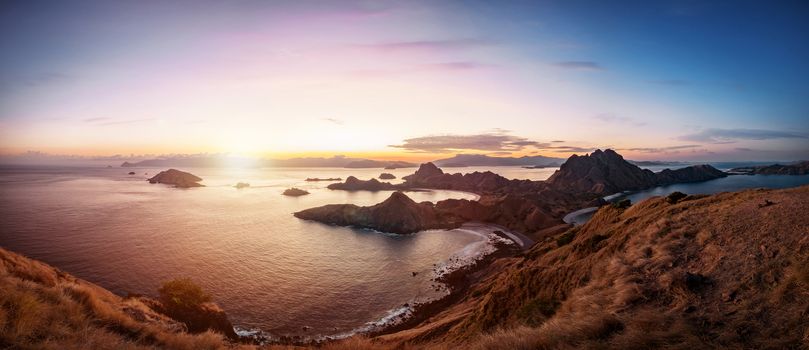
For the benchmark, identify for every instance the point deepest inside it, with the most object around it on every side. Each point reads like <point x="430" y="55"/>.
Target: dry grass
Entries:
<point x="703" y="272"/>
<point x="42" y="308"/>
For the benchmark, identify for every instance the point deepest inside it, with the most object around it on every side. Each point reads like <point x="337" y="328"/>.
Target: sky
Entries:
<point x="406" y="80"/>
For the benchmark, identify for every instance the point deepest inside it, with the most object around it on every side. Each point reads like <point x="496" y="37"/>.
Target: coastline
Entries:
<point x="452" y="275"/>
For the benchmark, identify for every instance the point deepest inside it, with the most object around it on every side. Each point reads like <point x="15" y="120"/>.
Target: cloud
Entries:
<point x="495" y="141"/>
<point x="128" y="121"/>
<point x="334" y="120"/>
<point x="668" y="149"/>
<point x="611" y="118"/>
<point x="579" y="65"/>
<point x="569" y="149"/>
<point x="96" y="119"/>
<point x="731" y="135"/>
<point x="427" y="45"/>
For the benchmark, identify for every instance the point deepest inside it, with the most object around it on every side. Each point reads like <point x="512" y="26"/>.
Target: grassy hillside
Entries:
<point x="730" y="270"/>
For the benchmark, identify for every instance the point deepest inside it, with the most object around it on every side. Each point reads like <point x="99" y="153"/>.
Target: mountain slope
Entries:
<point x="721" y="271"/>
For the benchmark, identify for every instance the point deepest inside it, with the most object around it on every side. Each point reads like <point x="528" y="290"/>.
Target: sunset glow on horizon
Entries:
<point x="409" y="81"/>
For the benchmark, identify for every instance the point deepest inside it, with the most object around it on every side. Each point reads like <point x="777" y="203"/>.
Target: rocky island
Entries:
<point x="315" y="179"/>
<point x="387" y="176"/>
<point x="295" y="192"/>
<point x="535" y="208"/>
<point x="354" y="184"/>
<point x="800" y="168"/>
<point x="397" y="214"/>
<point x="179" y="179"/>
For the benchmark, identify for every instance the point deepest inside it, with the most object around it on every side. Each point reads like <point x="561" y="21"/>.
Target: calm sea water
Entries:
<point x="266" y="268"/>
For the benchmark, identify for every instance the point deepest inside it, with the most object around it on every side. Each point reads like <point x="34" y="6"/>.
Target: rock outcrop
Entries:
<point x="355" y="184"/>
<point x="295" y="192"/>
<point x="430" y="176"/>
<point x="207" y="316"/>
<point x="601" y="172"/>
<point x="177" y="178"/>
<point x="606" y="172"/>
<point x="397" y="214"/>
<point x="801" y="168"/>
<point x="387" y="176"/>
<point x="694" y="173"/>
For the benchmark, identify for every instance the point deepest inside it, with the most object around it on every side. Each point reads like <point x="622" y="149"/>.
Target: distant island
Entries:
<point x="799" y="168"/>
<point x="213" y="161"/>
<point x="180" y="179"/>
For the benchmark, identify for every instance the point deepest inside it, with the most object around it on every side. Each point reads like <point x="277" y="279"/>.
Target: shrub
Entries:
<point x="182" y="293"/>
<point x="675" y="197"/>
<point x="537" y="310"/>
<point x="565" y="238"/>
<point x="622" y="204"/>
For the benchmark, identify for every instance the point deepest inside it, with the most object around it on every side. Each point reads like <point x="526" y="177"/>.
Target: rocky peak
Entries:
<point x="428" y="169"/>
<point x="601" y="172"/>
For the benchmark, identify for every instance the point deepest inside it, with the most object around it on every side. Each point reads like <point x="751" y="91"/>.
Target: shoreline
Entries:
<point x="451" y="274"/>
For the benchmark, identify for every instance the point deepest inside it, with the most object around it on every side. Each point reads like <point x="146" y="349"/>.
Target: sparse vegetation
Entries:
<point x="182" y="293"/>
<point x="622" y="204"/>
<point x="43" y="308"/>
<point x="675" y="197"/>
<point x="565" y="238"/>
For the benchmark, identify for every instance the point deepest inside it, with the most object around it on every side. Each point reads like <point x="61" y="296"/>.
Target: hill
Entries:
<point x="721" y="271"/>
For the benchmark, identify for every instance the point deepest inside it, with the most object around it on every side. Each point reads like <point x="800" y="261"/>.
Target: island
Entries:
<point x="295" y="192"/>
<point x="315" y="179"/>
<point x="387" y="176"/>
<point x="241" y="185"/>
<point x="354" y="184"/>
<point x="535" y="208"/>
<point x="179" y="179"/>
<point x="800" y="168"/>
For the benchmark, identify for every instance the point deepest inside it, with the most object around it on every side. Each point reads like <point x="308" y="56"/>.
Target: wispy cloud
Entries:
<point x="567" y="149"/>
<point x="495" y="141"/>
<point x="426" y="45"/>
<point x="334" y="121"/>
<point x="438" y="67"/>
<point x="612" y="118"/>
<point x="96" y="119"/>
<point x="668" y="149"/>
<point x="731" y="135"/>
<point x="579" y="65"/>
<point x="107" y="121"/>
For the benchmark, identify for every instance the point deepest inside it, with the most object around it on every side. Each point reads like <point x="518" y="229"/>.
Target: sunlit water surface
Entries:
<point x="266" y="268"/>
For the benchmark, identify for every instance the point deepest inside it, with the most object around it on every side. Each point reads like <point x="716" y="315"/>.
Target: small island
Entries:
<point x="355" y="184"/>
<point x="387" y="176"/>
<point x="131" y="173"/>
<point x="314" y="179"/>
<point x="179" y="179"/>
<point x="800" y="168"/>
<point x="242" y="185"/>
<point x="295" y="192"/>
